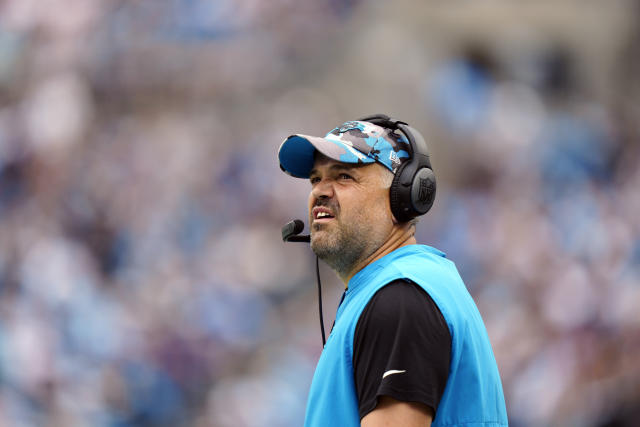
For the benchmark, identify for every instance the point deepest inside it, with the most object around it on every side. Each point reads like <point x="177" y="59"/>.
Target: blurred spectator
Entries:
<point x="142" y="277"/>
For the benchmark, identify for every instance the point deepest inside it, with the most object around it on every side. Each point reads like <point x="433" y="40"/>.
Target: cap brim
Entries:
<point x="297" y="151"/>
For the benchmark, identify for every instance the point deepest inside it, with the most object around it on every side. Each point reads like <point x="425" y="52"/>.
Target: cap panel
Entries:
<point x="391" y="149"/>
<point x="353" y="134"/>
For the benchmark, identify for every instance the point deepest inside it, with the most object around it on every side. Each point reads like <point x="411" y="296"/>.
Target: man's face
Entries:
<point x="349" y="213"/>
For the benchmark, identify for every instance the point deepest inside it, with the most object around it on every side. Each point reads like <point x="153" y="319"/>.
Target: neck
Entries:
<point x="400" y="236"/>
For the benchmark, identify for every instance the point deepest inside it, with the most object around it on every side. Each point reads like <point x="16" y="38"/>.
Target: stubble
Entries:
<point x="341" y="247"/>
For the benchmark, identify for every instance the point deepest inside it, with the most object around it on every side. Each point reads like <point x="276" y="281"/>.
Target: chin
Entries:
<point x="322" y="245"/>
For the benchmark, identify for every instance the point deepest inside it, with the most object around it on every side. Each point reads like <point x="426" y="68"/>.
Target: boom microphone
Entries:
<point x="290" y="233"/>
<point x="291" y="230"/>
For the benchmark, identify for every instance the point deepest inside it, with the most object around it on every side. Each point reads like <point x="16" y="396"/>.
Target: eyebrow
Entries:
<point x="340" y="166"/>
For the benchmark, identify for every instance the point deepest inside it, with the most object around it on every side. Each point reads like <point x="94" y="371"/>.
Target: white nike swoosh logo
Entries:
<point x="391" y="372"/>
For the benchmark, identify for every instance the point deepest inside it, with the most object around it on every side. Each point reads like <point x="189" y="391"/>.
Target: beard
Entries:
<point x="341" y="246"/>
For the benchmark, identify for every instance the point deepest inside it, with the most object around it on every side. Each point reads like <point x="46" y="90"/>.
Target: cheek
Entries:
<point x="381" y="200"/>
<point x="373" y="206"/>
<point x="382" y="211"/>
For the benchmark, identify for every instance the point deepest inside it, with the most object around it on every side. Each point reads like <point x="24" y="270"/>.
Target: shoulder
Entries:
<point x="399" y="297"/>
<point x="401" y="304"/>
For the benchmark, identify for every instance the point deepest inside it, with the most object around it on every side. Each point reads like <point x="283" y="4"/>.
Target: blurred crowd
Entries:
<point x="143" y="281"/>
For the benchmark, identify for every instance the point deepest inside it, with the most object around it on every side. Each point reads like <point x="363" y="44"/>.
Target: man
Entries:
<point x="408" y="346"/>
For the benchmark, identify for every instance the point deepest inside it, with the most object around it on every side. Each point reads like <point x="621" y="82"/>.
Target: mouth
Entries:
<point x="322" y="215"/>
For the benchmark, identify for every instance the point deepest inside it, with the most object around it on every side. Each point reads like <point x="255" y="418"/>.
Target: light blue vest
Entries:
<point x="473" y="395"/>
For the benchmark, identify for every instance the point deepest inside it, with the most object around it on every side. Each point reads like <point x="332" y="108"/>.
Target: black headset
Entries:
<point x="413" y="189"/>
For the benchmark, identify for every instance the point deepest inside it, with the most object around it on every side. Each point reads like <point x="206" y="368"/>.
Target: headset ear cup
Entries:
<point x="423" y="191"/>
<point x="400" y="196"/>
<point x="408" y="202"/>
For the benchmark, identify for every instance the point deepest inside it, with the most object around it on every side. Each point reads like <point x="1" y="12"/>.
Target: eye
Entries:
<point x="314" y="180"/>
<point x="345" y="176"/>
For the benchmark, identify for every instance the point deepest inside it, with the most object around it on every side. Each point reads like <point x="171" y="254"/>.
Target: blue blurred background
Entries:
<point x="143" y="281"/>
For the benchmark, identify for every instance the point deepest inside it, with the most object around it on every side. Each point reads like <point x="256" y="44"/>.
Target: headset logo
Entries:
<point x="423" y="190"/>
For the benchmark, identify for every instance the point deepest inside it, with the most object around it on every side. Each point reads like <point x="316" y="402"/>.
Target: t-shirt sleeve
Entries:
<point x="402" y="348"/>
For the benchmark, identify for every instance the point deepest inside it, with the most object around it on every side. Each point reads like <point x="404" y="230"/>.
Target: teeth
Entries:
<point x="322" y="214"/>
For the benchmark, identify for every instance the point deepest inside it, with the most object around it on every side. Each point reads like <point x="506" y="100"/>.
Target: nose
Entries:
<point x="322" y="190"/>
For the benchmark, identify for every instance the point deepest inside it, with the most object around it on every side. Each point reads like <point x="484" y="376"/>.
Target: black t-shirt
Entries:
<point x="401" y="348"/>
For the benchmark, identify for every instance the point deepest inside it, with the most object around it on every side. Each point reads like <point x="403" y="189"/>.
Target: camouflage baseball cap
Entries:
<point x="352" y="142"/>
